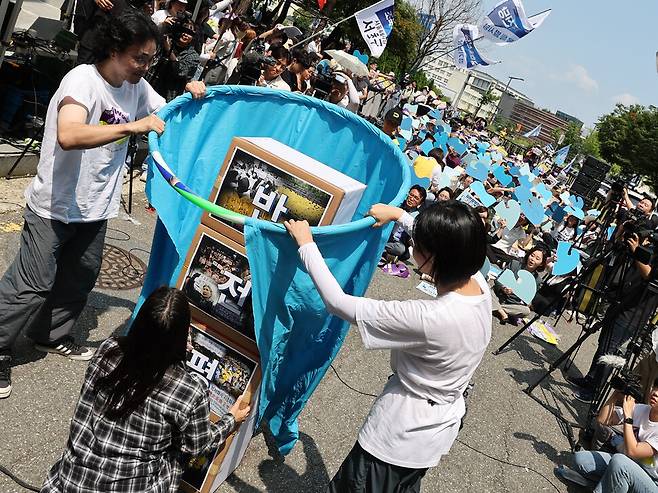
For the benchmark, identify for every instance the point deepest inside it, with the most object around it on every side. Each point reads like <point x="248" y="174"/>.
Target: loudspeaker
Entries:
<point x="595" y="167"/>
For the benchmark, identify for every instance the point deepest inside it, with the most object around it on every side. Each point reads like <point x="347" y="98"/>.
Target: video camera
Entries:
<point x="178" y="27"/>
<point x="628" y="384"/>
<point x="252" y="66"/>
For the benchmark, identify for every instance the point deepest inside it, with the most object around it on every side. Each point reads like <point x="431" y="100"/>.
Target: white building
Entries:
<point x="466" y="87"/>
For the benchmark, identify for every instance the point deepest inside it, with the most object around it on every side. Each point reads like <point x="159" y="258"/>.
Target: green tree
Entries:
<point x="486" y="98"/>
<point x="629" y="137"/>
<point x="580" y="145"/>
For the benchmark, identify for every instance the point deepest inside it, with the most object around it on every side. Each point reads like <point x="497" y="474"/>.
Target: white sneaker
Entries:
<point x="68" y="348"/>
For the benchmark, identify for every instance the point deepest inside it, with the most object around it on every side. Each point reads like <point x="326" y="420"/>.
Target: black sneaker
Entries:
<point x="68" y="348"/>
<point x="5" y="377"/>
<point x="584" y="395"/>
<point x="582" y="382"/>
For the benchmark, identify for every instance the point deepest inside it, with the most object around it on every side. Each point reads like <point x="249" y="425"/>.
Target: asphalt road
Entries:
<point x="503" y="422"/>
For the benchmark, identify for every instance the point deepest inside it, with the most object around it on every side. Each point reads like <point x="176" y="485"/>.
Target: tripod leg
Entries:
<point x="517" y="334"/>
<point x="559" y="361"/>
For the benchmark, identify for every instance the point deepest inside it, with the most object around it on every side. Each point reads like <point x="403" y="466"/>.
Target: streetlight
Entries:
<point x="511" y="78"/>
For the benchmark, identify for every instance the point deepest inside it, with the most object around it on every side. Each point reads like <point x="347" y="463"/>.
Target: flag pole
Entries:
<point x="328" y="28"/>
<point x="333" y="26"/>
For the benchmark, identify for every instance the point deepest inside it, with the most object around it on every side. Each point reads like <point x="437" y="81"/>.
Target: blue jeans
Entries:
<point x="614" y="473"/>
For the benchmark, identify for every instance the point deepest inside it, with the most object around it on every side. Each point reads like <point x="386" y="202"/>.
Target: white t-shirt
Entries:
<point x="645" y="431"/>
<point x="436" y="346"/>
<point x="509" y="238"/>
<point x="85" y="185"/>
<point x="277" y="83"/>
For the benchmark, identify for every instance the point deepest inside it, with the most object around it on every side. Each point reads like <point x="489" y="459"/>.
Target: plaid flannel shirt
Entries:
<point x="144" y="451"/>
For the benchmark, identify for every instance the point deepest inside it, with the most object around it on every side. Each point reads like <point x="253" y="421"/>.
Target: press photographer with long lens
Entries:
<point x="78" y="188"/>
<point x="168" y="16"/>
<point x="628" y="311"/>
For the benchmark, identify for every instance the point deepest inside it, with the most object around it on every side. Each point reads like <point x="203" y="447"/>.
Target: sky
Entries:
<point x="585" y="57"/>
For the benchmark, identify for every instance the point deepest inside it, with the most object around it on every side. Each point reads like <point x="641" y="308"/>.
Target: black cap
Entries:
<point x="394" y="116"/>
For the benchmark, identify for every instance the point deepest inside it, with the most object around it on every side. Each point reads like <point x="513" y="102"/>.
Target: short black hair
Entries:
<point x="421" y="190"/>
<point x="117" y="34"/>
<point x="445" y="189"/>
<point x="650" y="199"/>
<point x="452" y="235"/>
<point x="302" y="57"/>
<point x="278" y="52"/>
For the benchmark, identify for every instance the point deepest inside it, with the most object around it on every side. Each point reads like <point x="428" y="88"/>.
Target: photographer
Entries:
<point x="622" y="318"/>
<point x="279" y="58"/>
<point x="634" y="470"/>
<point x="182" y="60"/>
<point x="642" y="212"/>
<point x="167" y="17"/>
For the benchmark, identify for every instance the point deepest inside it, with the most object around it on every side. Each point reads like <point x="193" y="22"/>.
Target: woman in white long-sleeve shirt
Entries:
<point x="436" y="346"/>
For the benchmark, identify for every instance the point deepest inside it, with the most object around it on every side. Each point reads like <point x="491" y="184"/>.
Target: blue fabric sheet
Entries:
<point x="296" y="337"/>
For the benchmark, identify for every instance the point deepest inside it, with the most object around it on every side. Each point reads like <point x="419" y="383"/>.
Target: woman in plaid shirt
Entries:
<point x="141" y="416"/>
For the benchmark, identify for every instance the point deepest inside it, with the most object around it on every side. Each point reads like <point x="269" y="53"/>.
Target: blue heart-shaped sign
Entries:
<point x="500" y="175"/>
<point x="479" y="190"/>
<point x="509" y="211"/>
<point x="426" y="147"/>
<point x="567" y="259"/>
<point x="459" y="147"/>
<point x="477" y="170"/>
<point x="406" y="123"/>
<point x="361" y="56"/>
<point x="523" y="285"/>
<point x="533" y="210"/>
<point x="577" y="202"/>
<point x="575" y="212"/>
<point x="514" y="170"/>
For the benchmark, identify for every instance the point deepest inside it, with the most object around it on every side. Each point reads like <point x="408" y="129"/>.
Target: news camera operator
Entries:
<point x="634" y="469"/>
<point x="628" y="313"/>
<point x="642" y="212"/>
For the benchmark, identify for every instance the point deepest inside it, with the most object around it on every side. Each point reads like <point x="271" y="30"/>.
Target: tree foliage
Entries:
<point x="629" y="137"/>
<point x="486" y="98"/>
<point x="588" y="145"/>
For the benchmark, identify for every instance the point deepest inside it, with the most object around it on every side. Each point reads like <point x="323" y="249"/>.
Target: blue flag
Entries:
<point x="534" y="132"/>
<point x="466" y="54"/>
<point x="561" y="155"/>
<point x="507" y="22"/>
<point x="296" y="337"/>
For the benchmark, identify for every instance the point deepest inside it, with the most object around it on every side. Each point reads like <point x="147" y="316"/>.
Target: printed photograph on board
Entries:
<point x="218" y="282"/>
<point x="226" y="371"/>
<point x="256" y="188"/>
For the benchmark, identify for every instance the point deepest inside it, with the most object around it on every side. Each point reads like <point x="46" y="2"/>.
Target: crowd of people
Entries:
<point x="140" y="413"/>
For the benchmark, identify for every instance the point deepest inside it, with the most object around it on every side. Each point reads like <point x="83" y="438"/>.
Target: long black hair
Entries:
<point x="451" y="235"/>
<point x="157" y="340"/>
<point x="117" y="34"/>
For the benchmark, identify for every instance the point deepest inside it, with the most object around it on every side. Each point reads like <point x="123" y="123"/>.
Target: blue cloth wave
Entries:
<point x="296" y="337"/>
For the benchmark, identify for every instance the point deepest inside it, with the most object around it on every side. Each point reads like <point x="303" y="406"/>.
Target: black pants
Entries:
<point x="362" y="472"/>
<point x="46" y="287"/>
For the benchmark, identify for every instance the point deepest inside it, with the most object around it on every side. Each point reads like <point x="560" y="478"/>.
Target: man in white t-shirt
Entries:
<point x="77" y="189"/>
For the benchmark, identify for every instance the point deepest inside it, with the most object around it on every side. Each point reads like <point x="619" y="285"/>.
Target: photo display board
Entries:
<point x="265" y="179"/>
<point x="217" y="281"/>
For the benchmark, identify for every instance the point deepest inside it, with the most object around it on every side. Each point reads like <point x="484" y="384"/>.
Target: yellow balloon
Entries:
<point x="423" y="166"/>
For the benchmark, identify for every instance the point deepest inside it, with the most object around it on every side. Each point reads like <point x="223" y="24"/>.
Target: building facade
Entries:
<point x="465" y="88"/>
<point x="527" y="117"/>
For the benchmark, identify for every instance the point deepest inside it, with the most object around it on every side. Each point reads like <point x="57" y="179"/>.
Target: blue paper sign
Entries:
<point x="481" y="193"/>
<point x="567" y="259"/>
<point x="523" y="285"/>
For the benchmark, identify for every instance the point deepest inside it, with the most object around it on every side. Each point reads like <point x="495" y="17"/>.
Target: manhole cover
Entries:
<point x="120" y="269"/>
